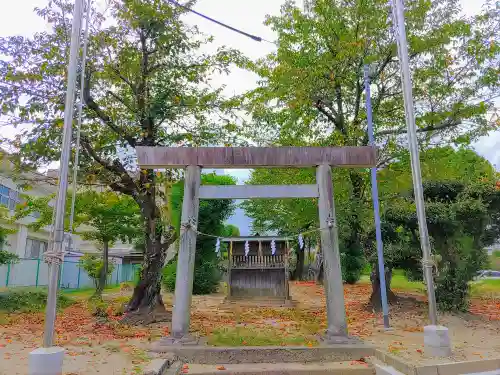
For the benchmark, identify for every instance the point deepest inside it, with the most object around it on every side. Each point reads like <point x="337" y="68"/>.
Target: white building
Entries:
<point x="30" y="244"/>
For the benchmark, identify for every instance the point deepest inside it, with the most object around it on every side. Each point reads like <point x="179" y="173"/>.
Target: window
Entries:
<point x="9" y="197"/>
<point x="35" y="248"/>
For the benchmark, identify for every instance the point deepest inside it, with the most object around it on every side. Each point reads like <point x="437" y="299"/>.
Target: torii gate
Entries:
<point x="192" y="159"/>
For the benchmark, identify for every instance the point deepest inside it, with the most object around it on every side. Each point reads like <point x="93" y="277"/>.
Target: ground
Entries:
<point x="95" y="346"/>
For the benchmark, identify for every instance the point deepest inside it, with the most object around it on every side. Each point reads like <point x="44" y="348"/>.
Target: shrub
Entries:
<point x="169" y="274"/>
<point x="206" y="277"/>
<point x="92" y="264"/>
<point x="456" y="270"/>
<point x="352" y="264"/>
<point x="28" y="300"/>
<point x="7" y="257"/>
<point x="98" y="308"/>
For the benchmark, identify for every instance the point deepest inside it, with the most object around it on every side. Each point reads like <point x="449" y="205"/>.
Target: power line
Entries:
<point x="251" y="36"/>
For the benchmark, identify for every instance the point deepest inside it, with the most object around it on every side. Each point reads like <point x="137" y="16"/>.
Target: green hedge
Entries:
<point x="206" y="277"/>
<point x="19" y="300"/>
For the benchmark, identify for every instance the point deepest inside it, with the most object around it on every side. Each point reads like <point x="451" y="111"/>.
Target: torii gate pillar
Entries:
<point x="334" y="289"/>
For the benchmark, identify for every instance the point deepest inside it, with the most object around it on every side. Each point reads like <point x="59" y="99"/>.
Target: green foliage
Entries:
<point x="231" y="230"/>
<point x="22" y="300"/>
<point x="92" y="264"/>
<point x="461" y="220"/>
<point x="311" y="88"/>
<point x="310" y="93"/>
<point x="98" y="307"/>
<point x="212" y="215"/>
<point x="103" y="217"/>
<point x="169" y="274"/>
<point x="207" y="276"/>
<point x="437" y="164"/>
<point x="291" y="216"/>
<point x="7" y="257"/>
<point x="352" y="263"/>
<point x="147" y="84"/>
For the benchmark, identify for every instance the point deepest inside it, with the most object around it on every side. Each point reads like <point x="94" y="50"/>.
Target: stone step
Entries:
<point x="327" y="368"/>
<point x="264" y="354"/>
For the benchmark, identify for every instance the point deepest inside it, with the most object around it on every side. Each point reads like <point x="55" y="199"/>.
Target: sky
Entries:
<point x="18" y="18"/>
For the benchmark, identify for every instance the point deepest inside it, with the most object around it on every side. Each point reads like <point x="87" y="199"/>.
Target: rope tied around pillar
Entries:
<point x="51" y="257"/>
<point x="189" y="224"/>
<point x="432" y="262"/>
<point x="330" y="221"/>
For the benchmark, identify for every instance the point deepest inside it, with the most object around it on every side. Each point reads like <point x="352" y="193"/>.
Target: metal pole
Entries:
<point x="79" y="126"/>
<point x="400" y="34"/>
<point x="37" y="271"/>
<point x="58" y="235"/>
<point x="376" y="209"/>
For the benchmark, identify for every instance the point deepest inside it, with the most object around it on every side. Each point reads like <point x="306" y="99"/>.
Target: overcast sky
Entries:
<point x="18" y="18"/>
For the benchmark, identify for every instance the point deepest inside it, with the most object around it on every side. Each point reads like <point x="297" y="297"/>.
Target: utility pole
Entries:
<point x="55" y="254"/>
<point x="48" y="360"/>
<point x="376" y="209"/>
<point x="400" y="34"/>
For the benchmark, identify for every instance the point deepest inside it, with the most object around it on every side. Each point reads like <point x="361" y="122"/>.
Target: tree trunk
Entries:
<point x="104" y="270"/>
<point x="299" y="267"/>
<point x="375" y="298"/>
<point x="146" y="304"/>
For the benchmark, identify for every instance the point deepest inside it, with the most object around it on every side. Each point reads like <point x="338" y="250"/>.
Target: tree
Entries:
<point x="459" y="220"/>
<point x="211" y="218"/>
<point x="441" y="165"/>
<point x="147" y="85"/>
<point x="94" y="266"/>
<point x="231" y="230"/>
<point x="311" y="89"/>
<point x="101" y="217"/>
<point x="289" y="217"/>
<point x="5" y="256"/>
<point x="437" y="164"/>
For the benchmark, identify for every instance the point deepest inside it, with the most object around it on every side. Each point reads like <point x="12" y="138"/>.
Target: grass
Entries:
<point x="495" y="260"/>
<point x="88" y="292"/>
<point x="258" y="336"/>
<point x="23" y="300"/>
<point x="486" y="288"/>
<point x="482" y="288"/>
<point x="400" y="282"/>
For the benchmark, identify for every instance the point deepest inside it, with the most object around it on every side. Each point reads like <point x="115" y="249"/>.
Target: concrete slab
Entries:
<point x="386" y="370"/>
<point x="266" y="354"/>
<point x="157" y="366"/>
<point x="337" y="368"/>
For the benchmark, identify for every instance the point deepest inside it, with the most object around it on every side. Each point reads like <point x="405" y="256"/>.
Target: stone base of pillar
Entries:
<point x="437" y="341"/>
<point x="169" y="341"/>
<point x="338" y="339"/>
<point x="46" y="361"/>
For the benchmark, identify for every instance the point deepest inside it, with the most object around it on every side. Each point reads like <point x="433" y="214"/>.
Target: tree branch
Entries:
<point x="120" y="100"/>
<point x="124" y="79"/>
<point x="126" y="184"/>
<point x="91" y="104"/>
<point x="450" y="123"/>
<point x="323" y="110"/>
<point x="340" y="110"/>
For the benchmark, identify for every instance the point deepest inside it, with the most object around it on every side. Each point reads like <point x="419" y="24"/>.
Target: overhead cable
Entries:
<point x="251" y="36"/>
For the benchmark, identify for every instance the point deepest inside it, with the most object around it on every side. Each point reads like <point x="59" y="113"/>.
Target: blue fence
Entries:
<point x="35" y="272"/>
